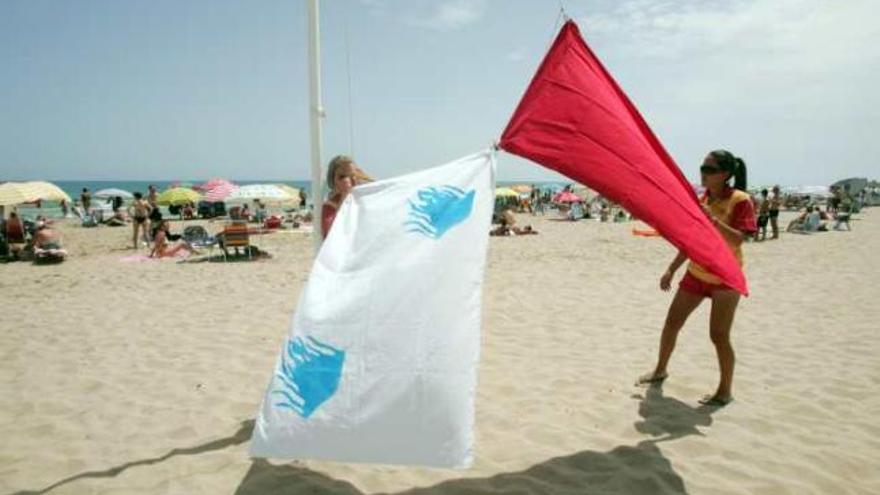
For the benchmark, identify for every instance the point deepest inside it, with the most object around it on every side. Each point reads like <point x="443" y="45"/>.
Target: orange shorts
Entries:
<point x="696" y="286"/>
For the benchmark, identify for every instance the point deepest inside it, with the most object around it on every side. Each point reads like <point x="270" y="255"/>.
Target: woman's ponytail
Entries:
<point x="740" y="175"/>
<point x="733" y="165"/>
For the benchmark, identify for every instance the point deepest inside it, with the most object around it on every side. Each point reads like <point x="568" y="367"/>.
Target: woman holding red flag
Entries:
<point x="730" y="210"/>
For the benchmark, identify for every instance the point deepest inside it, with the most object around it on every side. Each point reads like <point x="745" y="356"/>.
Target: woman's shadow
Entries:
<point x="669" y="418"/>
<point x="625" y="469"/>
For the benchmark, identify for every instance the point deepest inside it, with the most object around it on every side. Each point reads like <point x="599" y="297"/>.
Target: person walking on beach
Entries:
<point x="86" y="199"/>
<point x="763" y="216"/>
<point x="152" y="196"/>
<point x="140" y="214"/>
<point x="773" y="211"/>
<point x="341" y="178"/>
<point x="730" y="210"/>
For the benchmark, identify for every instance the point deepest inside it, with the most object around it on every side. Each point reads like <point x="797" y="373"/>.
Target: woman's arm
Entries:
<point x="328" y="215"/>
<point x="732" y="235"/>
<point x="676" y="263"/>
<point x="666" y="279"/>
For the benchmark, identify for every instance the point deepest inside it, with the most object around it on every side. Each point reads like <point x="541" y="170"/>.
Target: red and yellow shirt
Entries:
<point x="734" y="208"/>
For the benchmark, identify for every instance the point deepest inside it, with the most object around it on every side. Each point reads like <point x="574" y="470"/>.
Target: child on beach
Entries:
<point x="732" y="213"/>
<point x="341" y="178"/>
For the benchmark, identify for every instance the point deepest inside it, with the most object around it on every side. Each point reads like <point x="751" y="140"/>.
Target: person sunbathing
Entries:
<point x="163" y="249"/>
<point x="47" y="244"/>
<point x="527" y="230"/>
<point x="503" y="230"/>
<point x="117" y="220"/>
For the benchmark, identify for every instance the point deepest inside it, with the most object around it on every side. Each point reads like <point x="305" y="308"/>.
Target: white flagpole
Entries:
<point x="316" y="113"/>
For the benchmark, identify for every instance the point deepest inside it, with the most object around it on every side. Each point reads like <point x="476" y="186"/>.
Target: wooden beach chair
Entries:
<point x="236" y="235"/>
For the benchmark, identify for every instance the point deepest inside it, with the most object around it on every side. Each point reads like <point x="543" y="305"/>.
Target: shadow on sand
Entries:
<point x="625" y="469"/>
<point x="241" y="436"/>
<point x="638" y="469"/>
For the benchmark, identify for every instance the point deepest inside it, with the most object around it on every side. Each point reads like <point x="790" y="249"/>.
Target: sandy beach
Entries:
<point x="143" y="377"/>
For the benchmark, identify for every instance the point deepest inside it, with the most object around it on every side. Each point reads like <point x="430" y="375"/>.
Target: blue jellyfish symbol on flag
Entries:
<point x="439" y="209"/>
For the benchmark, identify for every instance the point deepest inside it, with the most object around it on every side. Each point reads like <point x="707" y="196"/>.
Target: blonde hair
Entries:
<point x="336" y="163"/>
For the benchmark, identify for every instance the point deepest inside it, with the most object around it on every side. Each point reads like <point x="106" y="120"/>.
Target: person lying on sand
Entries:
<point x="161" y="247"/>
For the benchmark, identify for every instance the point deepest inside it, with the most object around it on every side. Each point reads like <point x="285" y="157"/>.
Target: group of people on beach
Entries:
<point x="38" y="241"/>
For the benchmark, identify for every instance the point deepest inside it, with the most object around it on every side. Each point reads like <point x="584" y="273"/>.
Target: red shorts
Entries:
<point x="696" y="286"/>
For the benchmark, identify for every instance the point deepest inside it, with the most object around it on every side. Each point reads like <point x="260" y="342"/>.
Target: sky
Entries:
<point x="189" y="89"/>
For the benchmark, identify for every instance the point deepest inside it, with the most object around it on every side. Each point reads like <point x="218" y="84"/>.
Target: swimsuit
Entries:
<point x="734" y="208"/>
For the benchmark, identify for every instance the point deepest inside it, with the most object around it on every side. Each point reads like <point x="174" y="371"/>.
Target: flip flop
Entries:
<point x="651" y="378"/>
<point x="715" y="401"/>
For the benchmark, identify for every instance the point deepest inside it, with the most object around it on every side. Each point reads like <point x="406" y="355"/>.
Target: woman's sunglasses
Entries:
<point x="709" y="169"/>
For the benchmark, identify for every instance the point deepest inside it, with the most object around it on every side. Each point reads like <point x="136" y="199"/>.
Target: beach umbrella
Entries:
<point x="293" y="192"/>
<point x="219" y="192"/>
<point x="211" y="184"/>
<point x="177" y="196"/>
<point x="522" y="188"/>
<point x="263" y="192"/>
<point x="112" y="192"/>
<point x="567" y="197"/>
<point x="16" y="193"/>
<point x="823" y="191"/>
<point x="584" y="192"/>
<point x="47" y="191"/>
<point x="505" y="191"/>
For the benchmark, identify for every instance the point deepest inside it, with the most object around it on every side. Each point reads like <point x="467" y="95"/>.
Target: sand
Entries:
<point x="144" y="377"/>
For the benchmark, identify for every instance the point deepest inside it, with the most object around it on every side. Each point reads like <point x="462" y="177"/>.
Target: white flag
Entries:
<point x="380" y="363"/>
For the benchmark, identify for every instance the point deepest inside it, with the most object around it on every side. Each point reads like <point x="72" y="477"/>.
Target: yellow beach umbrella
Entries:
<point x="177" y="196"/>
<point x="522" y="188"/>
<point x="505" y="191"/>
<point x="48" y="191"/>
<point x="16" y="193"/>
<point x="292" y="191"/>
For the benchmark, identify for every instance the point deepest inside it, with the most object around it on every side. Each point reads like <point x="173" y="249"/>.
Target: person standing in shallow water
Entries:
<point x="731" y="211"/>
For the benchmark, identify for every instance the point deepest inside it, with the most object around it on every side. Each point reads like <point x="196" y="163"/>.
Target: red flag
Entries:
<point x="575" y="119"/>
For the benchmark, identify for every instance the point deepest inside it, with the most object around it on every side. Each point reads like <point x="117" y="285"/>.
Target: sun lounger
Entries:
<point x="235" y="235"/>
<point x="197" y="237"/>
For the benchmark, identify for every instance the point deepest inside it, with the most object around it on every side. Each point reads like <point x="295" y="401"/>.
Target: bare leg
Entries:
<point x="724" y="304"/>
<point x="683" y="304"/>
<point x="178" y="247"/>
<point x="135" y="225"/>
<point x="774" y="224"/>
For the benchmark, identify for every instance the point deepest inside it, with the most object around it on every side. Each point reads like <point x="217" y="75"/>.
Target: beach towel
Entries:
<point x="380" y="361"/>
<point x="575" y="119"/>
<point x="141" y="257"/>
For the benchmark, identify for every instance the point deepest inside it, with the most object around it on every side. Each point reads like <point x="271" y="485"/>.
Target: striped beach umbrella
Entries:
<point x="264" y="192"/>
<point x="212" y="184"/>
<point x="219" y="192"/>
